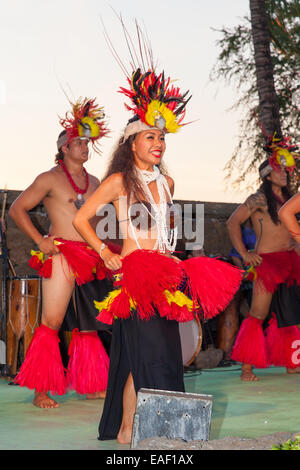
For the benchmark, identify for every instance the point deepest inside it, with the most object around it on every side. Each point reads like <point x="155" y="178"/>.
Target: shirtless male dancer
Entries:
<point x="276" y="262"/>
<point x="42" y="369"/>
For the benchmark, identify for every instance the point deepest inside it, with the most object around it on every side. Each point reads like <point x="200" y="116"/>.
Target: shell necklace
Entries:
<point x="166" y="237"/>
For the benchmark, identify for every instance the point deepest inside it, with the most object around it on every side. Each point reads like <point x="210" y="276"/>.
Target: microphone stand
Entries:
<point x="5" y="369"/>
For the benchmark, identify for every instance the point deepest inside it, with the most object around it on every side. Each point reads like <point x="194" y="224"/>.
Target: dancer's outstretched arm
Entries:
<point x="287" y="215"/>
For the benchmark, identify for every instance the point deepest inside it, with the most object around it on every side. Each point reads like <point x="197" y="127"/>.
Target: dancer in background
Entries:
<point x="275" y="266"/>
<point x="62" y="260"/>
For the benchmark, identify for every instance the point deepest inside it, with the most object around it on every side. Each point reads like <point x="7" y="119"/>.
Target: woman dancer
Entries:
<point x="153" y="290"/>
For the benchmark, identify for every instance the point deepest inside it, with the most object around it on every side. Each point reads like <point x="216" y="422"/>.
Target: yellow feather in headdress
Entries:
<point x="94" y="130"/>
<point x="284" y="157"/>
<point x="156" y="110"/>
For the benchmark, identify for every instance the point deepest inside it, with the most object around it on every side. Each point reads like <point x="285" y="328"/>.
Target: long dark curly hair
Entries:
<point x="122" y="161"/>
<point x="272" y="201"/>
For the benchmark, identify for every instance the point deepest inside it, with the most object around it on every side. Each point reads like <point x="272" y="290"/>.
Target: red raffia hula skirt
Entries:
<point x="152" y="282"/>
<point x="282" y="267"/>
<point x="84" y="262"/>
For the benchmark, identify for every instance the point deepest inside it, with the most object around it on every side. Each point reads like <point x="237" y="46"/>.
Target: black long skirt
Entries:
<point x="151" y="351"/>
<point x="286" y="305"/>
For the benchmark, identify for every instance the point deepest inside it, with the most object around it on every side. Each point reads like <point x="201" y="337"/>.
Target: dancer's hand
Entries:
<point x="252" y="259"/>
<point x="47" y="246"/>
<point x="175" y="258"/>
<point x="111" y="260"/>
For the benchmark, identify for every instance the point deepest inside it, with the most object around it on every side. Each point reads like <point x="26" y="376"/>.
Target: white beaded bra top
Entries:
<point x="166" y="236"/>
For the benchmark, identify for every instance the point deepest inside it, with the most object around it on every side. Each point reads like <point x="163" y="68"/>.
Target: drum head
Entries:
<point x="191" y="340"/>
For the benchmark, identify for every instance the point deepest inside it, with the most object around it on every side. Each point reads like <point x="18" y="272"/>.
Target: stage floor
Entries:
<point x="239" y="410"/>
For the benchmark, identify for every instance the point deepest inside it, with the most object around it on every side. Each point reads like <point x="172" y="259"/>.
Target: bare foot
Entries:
<point x="124" y="436"/>
<point x="42" y="400"/>
<point x="95" y="396"/>
<point x="295" y="370"/>
<point x="247" y="374"/>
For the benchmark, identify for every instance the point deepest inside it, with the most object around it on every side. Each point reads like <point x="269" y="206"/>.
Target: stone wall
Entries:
<point x="216" y="239"/>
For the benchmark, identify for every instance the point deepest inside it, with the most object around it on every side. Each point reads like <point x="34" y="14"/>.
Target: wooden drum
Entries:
<point x="23" y="315"/>
<point x="191" y="340"/>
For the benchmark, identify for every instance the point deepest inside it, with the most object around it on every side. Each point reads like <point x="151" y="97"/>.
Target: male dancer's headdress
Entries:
<point x="84" y="121"/>
<point x="282" y="154"/>
<point x="155" y="102"/>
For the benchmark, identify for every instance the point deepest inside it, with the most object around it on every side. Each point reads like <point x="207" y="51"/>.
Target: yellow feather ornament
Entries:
<point x="157" y="110"/>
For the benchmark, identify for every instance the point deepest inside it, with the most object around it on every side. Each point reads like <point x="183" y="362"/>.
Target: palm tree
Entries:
<point x="268" y="102"/>
<point x="235" y="66"/>
<point x="284" y="31"/>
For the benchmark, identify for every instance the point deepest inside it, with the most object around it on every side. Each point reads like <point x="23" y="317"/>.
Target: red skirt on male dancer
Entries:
<point x="88" y="364"/>
<point x="277" y="344"/>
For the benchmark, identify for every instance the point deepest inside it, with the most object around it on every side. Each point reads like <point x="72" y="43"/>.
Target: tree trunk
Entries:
<point x="268" y="103"/>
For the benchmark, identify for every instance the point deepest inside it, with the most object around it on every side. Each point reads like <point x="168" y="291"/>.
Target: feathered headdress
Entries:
<point x="155" y="102"/>
<point x="282" y="153"/>
<point x="86" y="121"/>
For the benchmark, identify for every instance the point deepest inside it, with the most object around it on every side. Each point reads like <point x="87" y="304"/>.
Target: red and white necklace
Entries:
<point x="80" y="199"/>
